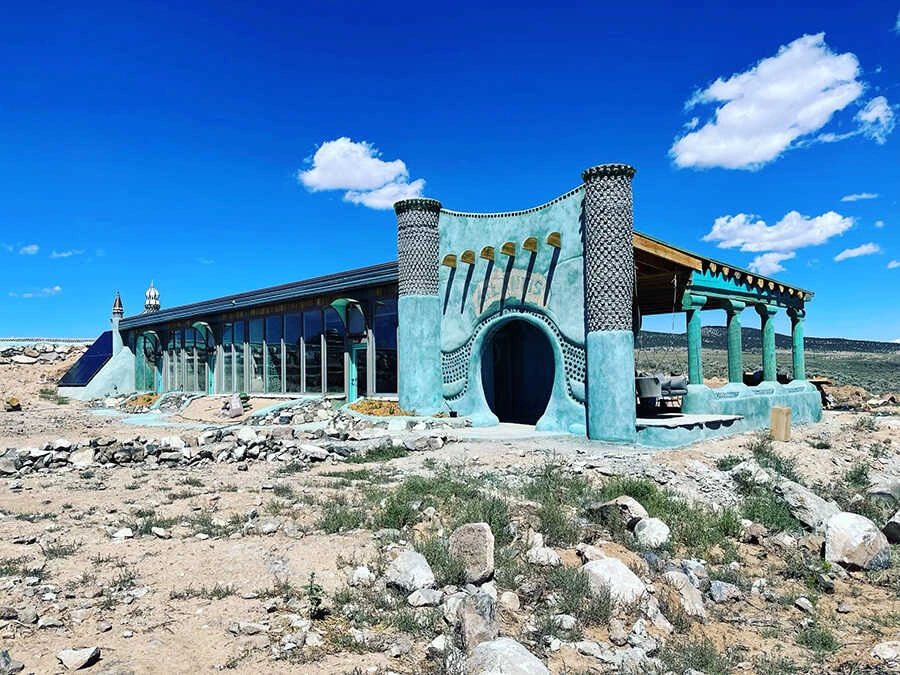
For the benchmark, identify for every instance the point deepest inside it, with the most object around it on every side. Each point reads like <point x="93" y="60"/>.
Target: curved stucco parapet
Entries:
<point x="534" y="277"/>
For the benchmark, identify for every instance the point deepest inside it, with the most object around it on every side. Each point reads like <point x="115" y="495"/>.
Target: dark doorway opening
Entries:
<point x="517" y="372"/>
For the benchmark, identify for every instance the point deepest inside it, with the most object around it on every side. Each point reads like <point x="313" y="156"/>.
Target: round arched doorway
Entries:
<point x="517" y="371"/>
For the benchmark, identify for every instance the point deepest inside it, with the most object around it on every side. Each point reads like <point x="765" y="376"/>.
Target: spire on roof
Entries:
<point x="152" y="300"/>
<point x="118" y="310"/>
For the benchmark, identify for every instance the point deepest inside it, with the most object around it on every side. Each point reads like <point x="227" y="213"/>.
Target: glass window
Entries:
<point x="312" y="339"/>
<point x="179" y="362"/>
<point x="292" y="380"/>
<point x="273" y="354"/>
<point x="227" y="358"/>
<point x="334" y="351"/>
<point x="385" y="330"/>
<point x="356" y="321"/>
<point x="204" y="344"/>
<point x="238" y="348"/>
<point x="257" y="382"/>
<point x="190" y="375"/>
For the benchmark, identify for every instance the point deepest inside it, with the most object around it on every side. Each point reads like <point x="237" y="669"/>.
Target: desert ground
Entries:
<point x="140" y="542"/>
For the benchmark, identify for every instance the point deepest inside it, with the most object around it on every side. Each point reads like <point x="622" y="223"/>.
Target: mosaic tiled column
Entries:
<point x="767" y="328"/>
<point x="419" y="307"/>
<point x="798" y="316"/>
<point x="608" y="302"/>
<point x="733" y="309"/>
<point x="692" y="305"/>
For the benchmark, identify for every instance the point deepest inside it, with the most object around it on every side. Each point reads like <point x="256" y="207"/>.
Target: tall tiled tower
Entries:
<point x="418" y="306"/>
<point x="608" y="302"/>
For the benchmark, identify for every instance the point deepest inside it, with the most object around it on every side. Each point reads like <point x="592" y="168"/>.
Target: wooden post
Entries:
<point x="780" y="424"/>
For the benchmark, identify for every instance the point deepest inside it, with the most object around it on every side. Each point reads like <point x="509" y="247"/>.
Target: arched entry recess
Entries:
<point x="204" y="345"/>
<point x="560" y="413"/>
<point x="148" y="362"/>
<point x="354" y="344"/>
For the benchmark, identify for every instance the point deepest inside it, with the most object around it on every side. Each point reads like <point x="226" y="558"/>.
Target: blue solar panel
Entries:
<point x="90" y="362"/>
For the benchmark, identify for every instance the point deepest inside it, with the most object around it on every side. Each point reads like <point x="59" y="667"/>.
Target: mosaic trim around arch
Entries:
<point x="455" y="364"/>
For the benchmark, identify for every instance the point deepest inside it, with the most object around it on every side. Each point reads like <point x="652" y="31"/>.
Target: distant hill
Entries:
<point x="716" y="337"/>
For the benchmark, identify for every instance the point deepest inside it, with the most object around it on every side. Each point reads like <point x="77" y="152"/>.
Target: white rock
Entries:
<point x="361" y="576"/>
<point x="691" y="600"/>
<point x="510" y="601"/>
<point x="543" y="556"/>
<point x="425" y="597"/>
<point x="410" y="571"/>
<point x="851" y="539"/>
<point x="805" y="505"/>
<point x="887" y="651"/>
<point x="652" y="533"/>
<point x="611" y="573"/>
<point x="123" y="533"/>
<point x="73" y="659"/>
<point x="245" y="435"/>
<point x="81" y="458"/>
<point x="504" y="656"/>
<point x="161" y="532"/>
<point x="623" y="508"/>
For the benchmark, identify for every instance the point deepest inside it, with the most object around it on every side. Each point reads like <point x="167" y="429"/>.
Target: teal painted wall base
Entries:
<point x="419" y="354"/>
<point x="116" y="377"/>
<point x="610" y="386"/>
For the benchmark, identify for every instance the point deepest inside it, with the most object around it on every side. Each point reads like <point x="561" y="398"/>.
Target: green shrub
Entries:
<point x="447" y="568"/>
<point x="761" y="505"/>
<point x="728" y="462"/>
<point x="340" y="518"/>
<point x="382" y="454"/>
<point x="693" y="653"/>
<point x="818" y="639"/>
<point x="576" y="597"/>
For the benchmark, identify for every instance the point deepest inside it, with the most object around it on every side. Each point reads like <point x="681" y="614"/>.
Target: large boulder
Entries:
<point x="410" y="571"/>
<point x="624" y="509"/>
<point x="854" y="540"/>
<point x="805" y="505"/>
<point x="82" y="458"/>
<point x="473" y="545"/>
<point x="689" y="596"/>
<point x="611" y="573"/>
<point x="504" y="656"/>
<point x="651" y="533"/>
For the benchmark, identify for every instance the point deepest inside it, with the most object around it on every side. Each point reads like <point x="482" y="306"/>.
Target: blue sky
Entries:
<point x="200" y="146"/>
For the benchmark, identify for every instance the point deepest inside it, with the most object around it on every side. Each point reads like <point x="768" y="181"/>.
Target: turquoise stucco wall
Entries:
<point x="544" y="288"/>
<point x="116" y="377"/>
<point x="419" y="354"/>
<point x="610" y="386"/>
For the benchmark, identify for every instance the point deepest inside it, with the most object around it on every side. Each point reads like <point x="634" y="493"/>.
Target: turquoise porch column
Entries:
<point x="607" y="236"/>
<point x="767" y="328"/>
<point x="419" y="307"/>
<point x="733" y="308"/>
<point x="118" y="311"/>
<point x="692" y="305"/>
<point x="798" y="316"/>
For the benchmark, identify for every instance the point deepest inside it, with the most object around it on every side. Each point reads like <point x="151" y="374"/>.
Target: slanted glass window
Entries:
<point x="171" y="363"/>
<point x="312" y="339"/>
<point x="292" y="355"/>
<point x="356" y="321"/>
<point x="238" y="349"/>
<point x="334" y="351"/>
<point x="257" y="381"/>
<point x="385" y="330"/>
<point x="274" y="360"/>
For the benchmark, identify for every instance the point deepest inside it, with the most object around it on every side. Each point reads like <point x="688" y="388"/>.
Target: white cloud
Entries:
<point x="385" y="196"/>
<point x="30" y="249"/>
<point x="858" y="196"/>
<point x="897" y="27"/>
<point x="770" y="263"/>
<point x="894" y="264"/>
<point x="778" y="104"/>
<point x="357" y="167"/>
<point x="794" y="231"/>
<point x="205" y="261"/>
<point x="42" y="293"/>
<point x="65" y="254"/>
<point x="876" y="120"/>
<point x="865" y="249"/>
<point x="879" y="223"/>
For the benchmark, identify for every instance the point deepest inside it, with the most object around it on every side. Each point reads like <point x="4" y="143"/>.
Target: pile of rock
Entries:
<point x="42" y="352"/>
<point x="234" y="444"/>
